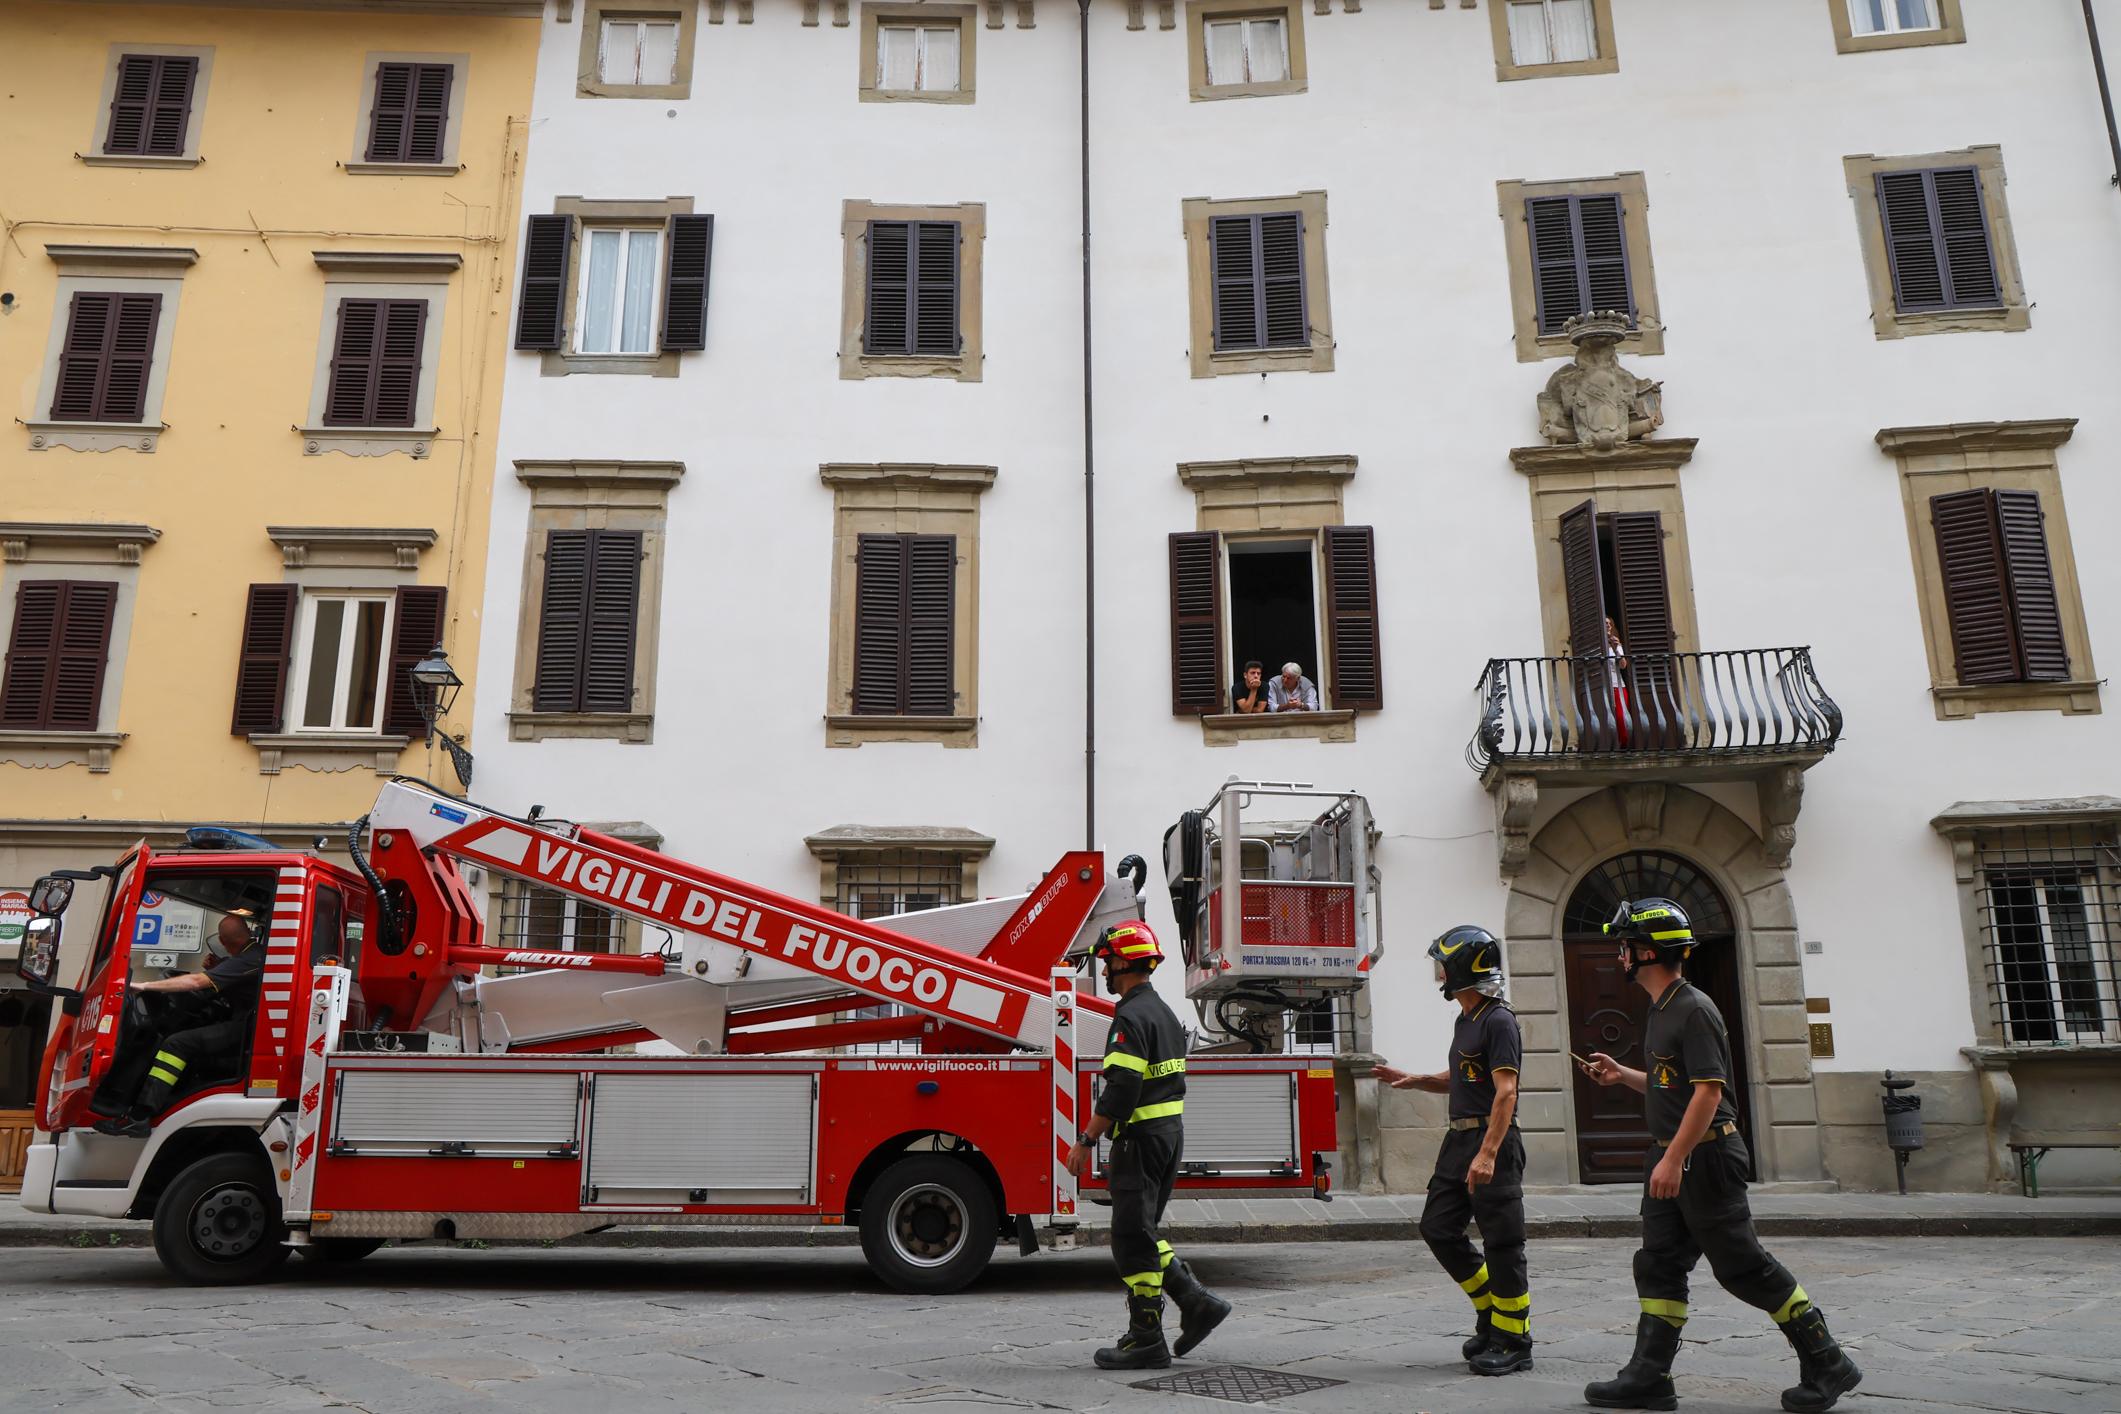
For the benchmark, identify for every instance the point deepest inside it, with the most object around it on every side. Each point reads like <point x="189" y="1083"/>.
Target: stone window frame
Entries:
<point x="1196" y="215"/>
<point x="353" y="274"/>
<point x="1640" y="476"/>
<point x="357" y="163"/>
<point x="867" y="843"/>
<point x="1279" y="499"/>
<point x="1951" y="29"/>
<point x="595" y="12"/>
<point x="1507" y="69"/>
<point x="968" y="363"/>
<point x="588" y="212"/>
<point x="333" y="559"/>
<point x="904" y="498"/>
<point x="1633" y="190"/>
<point x="870" y="85"/>
<point x="112" y="269"/>
<point x="2013" y="455"/>
<point x="592" y="495"/>
<point x="95" y="156"/>
<point x="1199" y="12"/>
<point x="107" y="551"/>
<point x="1887" y="320"/>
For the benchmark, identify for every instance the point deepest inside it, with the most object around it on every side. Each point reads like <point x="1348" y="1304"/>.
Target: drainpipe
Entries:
<point x="2106" y="94"/>
<point x="1089" y="473"/>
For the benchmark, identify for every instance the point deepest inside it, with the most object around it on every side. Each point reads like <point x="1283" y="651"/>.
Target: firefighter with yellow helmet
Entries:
<point x="1694" y="1200"/>
<point x="1141" y="1106"/>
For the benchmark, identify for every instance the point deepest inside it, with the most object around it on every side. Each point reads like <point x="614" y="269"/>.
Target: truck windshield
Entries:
<point x="181" y="924"/>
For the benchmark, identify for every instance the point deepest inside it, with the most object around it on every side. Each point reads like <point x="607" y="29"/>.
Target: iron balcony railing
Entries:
<point x="1757" y="701"/>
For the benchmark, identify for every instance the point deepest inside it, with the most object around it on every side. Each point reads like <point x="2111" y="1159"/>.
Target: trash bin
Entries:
<point x="1903" y="1123"/>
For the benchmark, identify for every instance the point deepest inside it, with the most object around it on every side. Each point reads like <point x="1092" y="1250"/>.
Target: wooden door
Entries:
<point x="18" y="1130"/>
<point x="1605" y="1014"/>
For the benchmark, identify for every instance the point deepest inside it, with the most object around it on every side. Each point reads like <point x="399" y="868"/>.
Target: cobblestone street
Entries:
<point x="1945" y="1325"/>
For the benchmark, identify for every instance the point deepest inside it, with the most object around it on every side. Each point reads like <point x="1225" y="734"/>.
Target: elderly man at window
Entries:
<point x="1291" y="691"/>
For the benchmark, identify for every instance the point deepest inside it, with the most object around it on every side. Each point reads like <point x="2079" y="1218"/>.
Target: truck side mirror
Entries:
<point x="51" y="895"/>
<point x="39" y="958"/>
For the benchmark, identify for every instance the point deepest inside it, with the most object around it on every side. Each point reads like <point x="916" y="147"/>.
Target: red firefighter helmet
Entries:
<point x="1128" y="944"/>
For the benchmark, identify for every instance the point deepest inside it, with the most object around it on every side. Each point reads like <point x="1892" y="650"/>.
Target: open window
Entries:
<point x="1614" y="573"/>
<point x="1308" y="597"/>
<point x="333" y="662"/>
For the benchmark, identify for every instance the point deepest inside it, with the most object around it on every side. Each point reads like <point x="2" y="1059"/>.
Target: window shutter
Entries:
<point x="353" y="364"/>
<point x="887" y="324"/>
<point x="375" y="363"/>
<point x="392" y="113"/>
<point x="563" y="622"/>
<point x="81" y="649"/>
<point x="1351" y="618"/>
<point x="1601" y="227"/>
<point x="931" y="615"/>
<point x="418" y="629"/>
<point x="1976" y="592"/>
<point x="880" y="574"/>
<point x="30" y="649"/>
<point x="2022" y="533"/>
<point x="1579" y="257"/>
<point x="1962" y="225"/>
<point x="397" y="398"/>
<point x="1645" y="617"/>
<point x="540" y="311"/>
<point x="262" y="661"/>
<point x="105" y="358"/>
<point x="150" y="111"/>
<point x="1233" y="256"/>
<point x="1196" y="623"/>
<point x="935" y="288"/>
<point x="1281" y="281"/>
<point x="428" y="129"/>
<point x="1936" y="236"/>
<point x="685" y="285"/>
<point x="1583" y="584"/>
<point x="614" y="608"/>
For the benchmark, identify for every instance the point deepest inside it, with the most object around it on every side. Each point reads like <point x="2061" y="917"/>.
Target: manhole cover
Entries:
<point x="1240" y="1384"/>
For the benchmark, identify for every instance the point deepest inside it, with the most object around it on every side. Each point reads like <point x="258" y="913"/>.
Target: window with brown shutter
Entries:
<point x="588" y="619"/>
<point x="541" y="309"/>
<point x="263" y="658"/>
<point x="416" y="631"/>
<point x="150" y="108"/>
<point x="56" y="655"/>
<point x="1351" y="618"/>
<point x="106" y="357"/>
<point x="1937" y="240"/>
<point x="375" y="363"/>
<point x="912" y="289"/>
<point x="905" y="611"/>
<point x="1999" y="586"/>
<point x="410" y="120"/>
<point x="1613" y="567"/>
<point x="1579" y="258"/>
<point x="1258" y="264"/>
<point x="1196" y="623"/>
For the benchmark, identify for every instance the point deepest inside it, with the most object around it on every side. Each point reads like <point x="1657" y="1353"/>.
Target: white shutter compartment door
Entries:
<point x="412" y="1111"/>
<point x="1240" y="1123"/>
<point x="719" y="1134"/>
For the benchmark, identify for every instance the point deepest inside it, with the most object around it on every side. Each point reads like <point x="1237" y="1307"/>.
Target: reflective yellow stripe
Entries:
<point x="1126" y="1062"/>
<point x="1137" y="949"/>
<point x="1675" y="934"/>
<point x="1648" y="913"/>
<point x="1793" y="1307"/>
<point x="1673" y="1311"/>
<point x="1164" y="1253"/>
<point x="162" y="1075"/>
<point x="1169" y="1107"/>
<point x="1476" y="1281"/>
<point x="173" y="1062"/>
<point x="1483" y="1301"/>
<point x="1509" y="1323"/>
<point x="1144" y="1283"/>
<point x="1164" y="1068"/>
<point x="1513" y="1303"/>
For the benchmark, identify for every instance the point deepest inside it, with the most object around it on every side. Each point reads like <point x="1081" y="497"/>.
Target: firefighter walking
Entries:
<point x="1480" y="1165"/>
<point x="1694" y="1203"/>
<point x="1141" y="1107"/>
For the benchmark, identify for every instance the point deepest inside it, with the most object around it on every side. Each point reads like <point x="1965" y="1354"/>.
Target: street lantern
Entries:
<point x="435" y="685"/>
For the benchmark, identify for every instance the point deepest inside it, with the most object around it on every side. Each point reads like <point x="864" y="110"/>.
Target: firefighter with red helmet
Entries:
<point x="1141" y="1106"/>
<point x="1694" y="1201"/>
<point x="1480" y="1165"/>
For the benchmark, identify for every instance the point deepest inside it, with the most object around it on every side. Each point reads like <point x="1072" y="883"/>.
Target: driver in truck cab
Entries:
<point x="206" y="1015"/>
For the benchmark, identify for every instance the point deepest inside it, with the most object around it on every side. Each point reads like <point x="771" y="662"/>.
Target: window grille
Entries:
<point x="533" y="916"/>
<point x="2046" y="898"/>
<point x="894" y="881"/>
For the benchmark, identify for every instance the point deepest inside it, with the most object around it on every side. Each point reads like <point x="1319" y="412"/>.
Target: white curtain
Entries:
<point x="1266" y="56"/>
<point x="897" y="58"/>
<point x="1867" y="16"/>
<point x="939" y="60"/>
<point x="599" y="291"/>
<point x="1575" y="35"/>
<point x="1226" y="52"/>
<point x="1528" y="33"/>
<point x="659" y="53"/>
<point x="622" y="47"/>
<point x="642" y="268"/>
<point x="1915" y="14"/>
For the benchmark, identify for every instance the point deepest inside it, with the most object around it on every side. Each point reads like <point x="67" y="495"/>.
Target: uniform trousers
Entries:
<point x="1143" y="1168"/>
<point x="1711" y="1218"/>
<point x="1493" y="1275"/>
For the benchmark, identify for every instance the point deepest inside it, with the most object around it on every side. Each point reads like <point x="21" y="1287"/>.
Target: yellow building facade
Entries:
<point x="254" y="273"/>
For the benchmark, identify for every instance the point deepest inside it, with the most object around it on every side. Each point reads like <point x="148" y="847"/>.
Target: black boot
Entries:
<point x="1483" y="1333"/>
<point x="136" y="1127"/>
<point x="1824" y="1370"/>
<point x="1142" y="1347"/>
<point x="1507" y="1353"/>
<point x="1199" y="1309"/>
<point x="1645" y="1382"/>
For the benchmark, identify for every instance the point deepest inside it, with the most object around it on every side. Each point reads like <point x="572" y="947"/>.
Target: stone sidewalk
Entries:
<point x="1605" y="1211"/>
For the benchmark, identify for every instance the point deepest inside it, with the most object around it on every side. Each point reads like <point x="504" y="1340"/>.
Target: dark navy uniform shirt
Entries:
<point x="1145" y="1065"/>
<point x="1484" y="1041"/>
<point x="236" y="977"/>
<point x="1683" y="1041"/>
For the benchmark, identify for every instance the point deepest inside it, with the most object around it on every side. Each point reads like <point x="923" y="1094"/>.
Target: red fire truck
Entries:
<point x="392" y="1087"/>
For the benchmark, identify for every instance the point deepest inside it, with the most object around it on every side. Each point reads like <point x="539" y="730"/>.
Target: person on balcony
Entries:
<point x="1249" y="694"/>
<point x="1616" y="661"/>
<point x="1292" y="691"/>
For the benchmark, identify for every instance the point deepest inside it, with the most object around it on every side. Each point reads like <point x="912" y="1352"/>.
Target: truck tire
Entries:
<point x="218" y="1222"/>
<point x="928" y="1224"/>
<point x="340" y="1249"/>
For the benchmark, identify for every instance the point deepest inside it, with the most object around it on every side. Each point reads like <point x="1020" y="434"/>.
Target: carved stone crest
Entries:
<point x="1593" y="401"/>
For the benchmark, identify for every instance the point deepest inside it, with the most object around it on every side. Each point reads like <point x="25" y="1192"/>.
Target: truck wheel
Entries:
<point x="218" y="1222"/>
<point x="928" y="1224"/>
<point x="340" y="1249"/>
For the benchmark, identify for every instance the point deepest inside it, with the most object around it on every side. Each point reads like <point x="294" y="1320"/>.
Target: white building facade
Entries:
<point x="792" y="568"/>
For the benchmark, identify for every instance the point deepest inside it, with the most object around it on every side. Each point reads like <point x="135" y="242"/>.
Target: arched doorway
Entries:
<point x="1606" y="1010"/>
